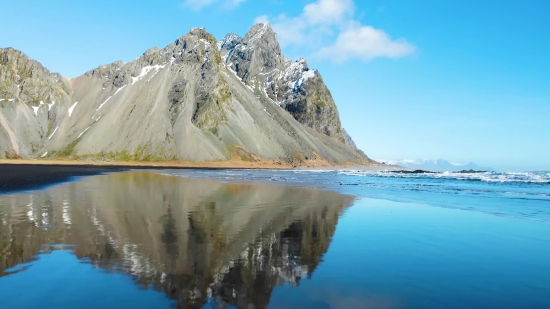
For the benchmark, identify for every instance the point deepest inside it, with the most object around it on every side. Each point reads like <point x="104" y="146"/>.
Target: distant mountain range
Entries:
<point x="440" y="165"/>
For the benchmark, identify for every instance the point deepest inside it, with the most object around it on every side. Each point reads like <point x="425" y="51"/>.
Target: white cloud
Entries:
<point x="261" y="19"/>
<point x="330" y="25"/>
<point x="328" y="11"/>
<point x="366" y="43"/>
<point x="197" y="5"/>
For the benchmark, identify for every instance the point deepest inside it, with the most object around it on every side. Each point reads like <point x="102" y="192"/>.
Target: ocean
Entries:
<point x="278" y="239"/>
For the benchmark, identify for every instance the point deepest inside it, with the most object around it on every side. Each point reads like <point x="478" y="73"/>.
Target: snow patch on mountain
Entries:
<point x="439" y="165"/>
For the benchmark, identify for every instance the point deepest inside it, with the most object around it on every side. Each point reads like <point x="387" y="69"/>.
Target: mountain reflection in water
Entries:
<point x="196" y="240"/>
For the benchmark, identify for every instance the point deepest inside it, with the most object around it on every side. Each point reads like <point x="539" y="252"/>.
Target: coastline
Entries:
<point x="19" y="174"/>
<point x="20" y="177"/>
<point x="230" y="164"/>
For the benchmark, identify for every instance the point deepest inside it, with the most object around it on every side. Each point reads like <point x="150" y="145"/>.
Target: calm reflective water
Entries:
<point x="146" y="240"/>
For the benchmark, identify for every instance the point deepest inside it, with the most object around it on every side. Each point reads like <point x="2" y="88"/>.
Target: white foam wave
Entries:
<point x="521" y="177"/>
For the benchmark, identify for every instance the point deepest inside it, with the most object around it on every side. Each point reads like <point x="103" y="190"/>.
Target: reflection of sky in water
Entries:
<point x="59" y="280"/>
<point x="393" y="255"/>
<point x="521" y="195"/>
<point x="141" y="239"/>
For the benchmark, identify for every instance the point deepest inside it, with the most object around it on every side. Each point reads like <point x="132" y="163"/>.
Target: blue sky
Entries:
<point x="460" y="80"/>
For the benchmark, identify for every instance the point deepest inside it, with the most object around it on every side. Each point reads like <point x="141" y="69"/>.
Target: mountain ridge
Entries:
<point x="189" y="101"/>
<point x="439" y="165"/>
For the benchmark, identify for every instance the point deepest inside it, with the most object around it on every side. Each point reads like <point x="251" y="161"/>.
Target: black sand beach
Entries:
<point x="14" y="177"/>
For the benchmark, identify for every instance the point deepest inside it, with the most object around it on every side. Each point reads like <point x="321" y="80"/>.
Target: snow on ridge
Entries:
<point x="100" y="106"/>
<point x="50" y="137"/>
<point x="294" y="69"/>
<point x="83" y="132"/>
<point x="270" y="99"/>
<point x="258" y="34"/>
<point x="226" y="57"/>
<point x="435" y="165"/>
<point x="270" y="72"/>
<point x="36" y="108"/>
<point x="459" y="163"/>
<point x="72" y="108"/>
<point x="305" y="76"/>
<point x="297" y="73"/>
<point x="234" y="73"/>
<point x="45" y="154"/>
<point x="230" y="37"/>
<point x="145" y="71"/>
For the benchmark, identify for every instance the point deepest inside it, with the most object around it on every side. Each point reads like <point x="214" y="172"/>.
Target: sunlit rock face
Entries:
<point x="258" y="61"/>
<point x="196" y="99"/>
<point x="195" y="240"/>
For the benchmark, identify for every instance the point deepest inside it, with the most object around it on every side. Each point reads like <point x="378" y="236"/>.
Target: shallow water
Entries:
<point x="519" y="195"/>
<point x="144" y="239"/>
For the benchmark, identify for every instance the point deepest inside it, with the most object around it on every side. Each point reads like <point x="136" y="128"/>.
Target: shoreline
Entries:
<point x="230" y="164"/>
<point x="20" y="175"/>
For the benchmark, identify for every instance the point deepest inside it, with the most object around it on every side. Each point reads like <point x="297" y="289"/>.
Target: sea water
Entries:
<point x="279" y="239"/>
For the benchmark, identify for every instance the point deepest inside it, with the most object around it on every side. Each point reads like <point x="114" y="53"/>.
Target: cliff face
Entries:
<point x="257" y="59"/>
<point x="32" y="102"/>
<point x="196" y="99"/>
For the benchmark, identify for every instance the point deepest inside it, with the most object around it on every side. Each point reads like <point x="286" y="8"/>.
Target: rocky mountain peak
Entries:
<point x="257" y="53"/>
<point x="229" y="41"/>
<point x="197" y="49"/>
<point x="348" y="140"/>
<point x="257" y="59"/>
<point x="31" y="82"/>
<point x="258" y="32"/>
<point x="195" y="99"/>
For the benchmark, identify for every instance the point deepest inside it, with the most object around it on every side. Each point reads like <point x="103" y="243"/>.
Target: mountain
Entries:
<point x="437" y="165"/>
<point x="194" y="100"/>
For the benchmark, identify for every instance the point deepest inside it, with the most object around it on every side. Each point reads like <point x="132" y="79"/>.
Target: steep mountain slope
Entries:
<point x="45" y="97"/>
<point x="257" y="59"/>
<point x="182" y="102"/>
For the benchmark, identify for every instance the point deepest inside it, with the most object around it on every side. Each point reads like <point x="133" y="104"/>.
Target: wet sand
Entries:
<point x="28" y="174"/>
<point x="229" y="164"/>
<point x="14" y="177"/>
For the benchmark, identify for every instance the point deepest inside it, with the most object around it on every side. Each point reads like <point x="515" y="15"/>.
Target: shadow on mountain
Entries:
<point x="197" y="241"/>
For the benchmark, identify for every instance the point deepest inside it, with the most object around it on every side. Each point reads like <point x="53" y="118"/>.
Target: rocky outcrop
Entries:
<point x="348" y="140"/>
<point x="33" y="102"/>
<point x="196" y="99"/>
<point x="258" y="61"/>
<point x="25" y="80"/>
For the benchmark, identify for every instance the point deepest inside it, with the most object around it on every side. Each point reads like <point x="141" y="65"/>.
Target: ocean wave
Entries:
<point x="516" y="194"/>
<point x="506" y="177"/>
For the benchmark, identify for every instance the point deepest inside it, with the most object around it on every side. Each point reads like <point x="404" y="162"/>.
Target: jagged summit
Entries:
<point x="257" y="59"/>
<point x="195" y="99"/>
<point x="229" y="41"/>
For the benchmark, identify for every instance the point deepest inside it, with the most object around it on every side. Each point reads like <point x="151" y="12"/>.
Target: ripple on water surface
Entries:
<point x="142" y="239"/>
